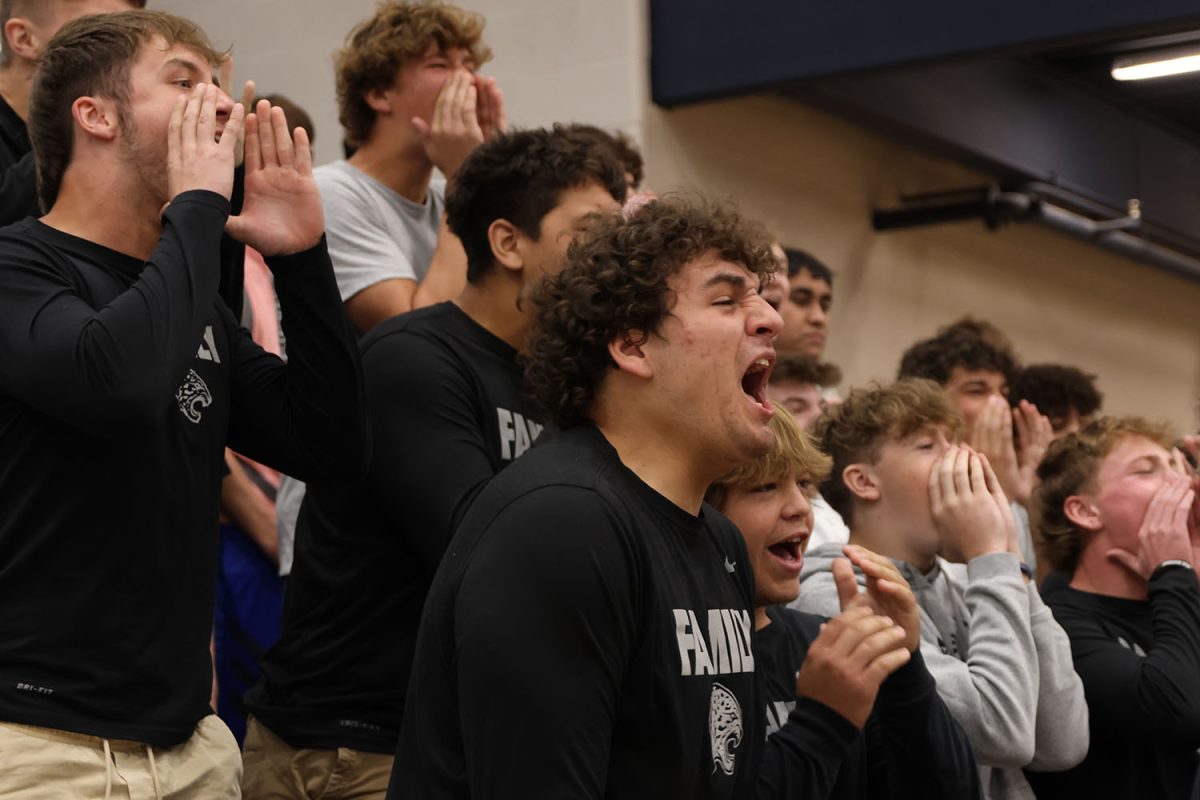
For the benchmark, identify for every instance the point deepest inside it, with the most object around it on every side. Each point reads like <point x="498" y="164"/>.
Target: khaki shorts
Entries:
<point x="274" y="770"/>
<point x="49" y="764"/>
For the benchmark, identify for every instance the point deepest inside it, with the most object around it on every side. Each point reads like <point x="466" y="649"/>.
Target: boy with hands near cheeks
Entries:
<point x="1119" y="517"/>
<point x="1001" y="663"/>
<point x="864" y="666"/>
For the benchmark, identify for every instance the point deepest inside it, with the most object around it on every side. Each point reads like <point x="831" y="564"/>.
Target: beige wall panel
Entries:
<point x="815" y="179"/>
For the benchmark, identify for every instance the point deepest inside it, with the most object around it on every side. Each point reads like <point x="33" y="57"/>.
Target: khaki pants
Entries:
<point x="274" y="770"/>
<point x="49" y="764"/>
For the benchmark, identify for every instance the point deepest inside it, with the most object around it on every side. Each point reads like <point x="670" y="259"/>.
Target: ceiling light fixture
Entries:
<point x="1157" y="64"/>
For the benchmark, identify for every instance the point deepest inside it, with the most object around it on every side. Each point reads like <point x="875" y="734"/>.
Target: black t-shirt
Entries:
<point x="1139" y="661"/>
<point x="446" y="409"/>
<point x="120" y="384"/>
<point x="911" y="746"/>
<point x="18" y="174"/>
<point x="585" y="637"/>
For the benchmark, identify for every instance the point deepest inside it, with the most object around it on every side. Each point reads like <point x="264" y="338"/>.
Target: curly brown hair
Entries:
<point x="1068" y="468"/>
<point x="968" y="343"/>
<point x="398" y="33"/>
<point x="799" y="368"/>
<point x="617" y="284"/>
<point x="854" y="431"/>
<point x="1057" y="390"/>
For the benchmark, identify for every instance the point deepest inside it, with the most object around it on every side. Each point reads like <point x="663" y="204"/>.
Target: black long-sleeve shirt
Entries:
<point x="911" y="746"/>
<point x="1139" y="661"/>
<point x="447" y="413"/>
<point x="584" y="637"/>
<point x="121" y="382"/>
<point x="18" y="175"/>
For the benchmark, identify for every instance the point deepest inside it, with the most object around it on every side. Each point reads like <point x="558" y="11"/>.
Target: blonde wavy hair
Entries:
<point x="793" y="455"/>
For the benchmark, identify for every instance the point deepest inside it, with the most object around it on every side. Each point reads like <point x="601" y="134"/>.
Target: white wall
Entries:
<point x="555" y="60"/>
<point x="814" y="178"/>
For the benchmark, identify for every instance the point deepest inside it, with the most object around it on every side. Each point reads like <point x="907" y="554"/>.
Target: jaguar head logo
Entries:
<point x="725" y="727"/>
<point x="193" y="396"/>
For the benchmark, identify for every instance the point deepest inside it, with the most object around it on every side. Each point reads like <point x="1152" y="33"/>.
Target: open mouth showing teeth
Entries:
<point x="790" y="551"/>
<point x="754" y="382"/>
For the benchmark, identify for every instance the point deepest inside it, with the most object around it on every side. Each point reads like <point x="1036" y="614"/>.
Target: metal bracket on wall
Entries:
<point x="1053" y="206"/>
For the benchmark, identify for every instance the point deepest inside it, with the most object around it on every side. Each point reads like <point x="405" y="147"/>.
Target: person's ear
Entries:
<point x="97" y="117"/>
<point x="628" y="354"/>
<point x="22" y="39"/>
<point x="505" y="241"/>
<point x="379" y="101"/>
<point x="861" y="481"/>
<point x="1083" y="513"/>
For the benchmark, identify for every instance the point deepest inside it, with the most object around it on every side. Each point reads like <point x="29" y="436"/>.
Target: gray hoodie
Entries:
<point x="1002" y="664"/>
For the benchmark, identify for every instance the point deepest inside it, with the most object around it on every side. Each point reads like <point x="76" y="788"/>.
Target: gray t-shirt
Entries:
<point x="374" y="234"/>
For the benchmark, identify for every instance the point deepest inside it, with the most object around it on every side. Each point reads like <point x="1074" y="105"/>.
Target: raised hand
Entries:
<point x="225" y="73"/>
<point x="196" y="157"/>
<point x="454" y="131"/>
<point x="888" y="594"/>
<point x="490" y="113"/>
<point x="851" y="656"/>
<point x="282" y="211"/>
<point x="1034" y="435"/>
<point x="967" y="512"/>
<point x="1184" y="467"/>
<point x="992" y="435"/>
<point x="1164" y="532"/>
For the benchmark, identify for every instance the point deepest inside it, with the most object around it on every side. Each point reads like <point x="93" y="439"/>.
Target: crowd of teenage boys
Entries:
<point x="469" y="470"/>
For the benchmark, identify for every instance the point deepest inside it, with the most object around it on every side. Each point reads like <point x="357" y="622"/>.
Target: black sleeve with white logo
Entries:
<point x="103" y="369"/>
<point x="120" y="384"/>
<point x="446" y="414"/>
<point x="113" y="415"/>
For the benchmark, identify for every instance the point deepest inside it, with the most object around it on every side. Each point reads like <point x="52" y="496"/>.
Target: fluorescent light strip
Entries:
<point x="1156" y="69"/>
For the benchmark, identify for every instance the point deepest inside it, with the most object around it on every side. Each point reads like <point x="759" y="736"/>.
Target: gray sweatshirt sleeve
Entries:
<point x="1062" y="712"/>
<point x="993" y="693"/>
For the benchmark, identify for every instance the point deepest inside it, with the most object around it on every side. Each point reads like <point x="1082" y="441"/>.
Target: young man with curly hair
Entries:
<point x="1066" y="395"/>
<point x="936" y="509"/>
<point x="589" y="632"/>
<point x="410" y="100"/>
<point x="1119" y="516"/>
<point x="123" y="379"/>
<point x="910" y="745"/>
<point x="447" y="414"/>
